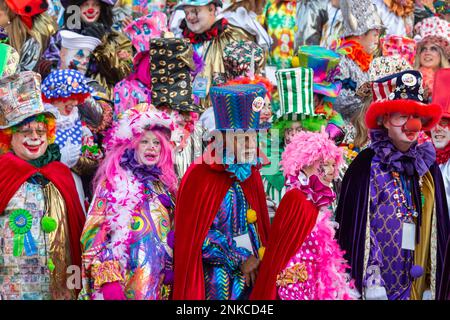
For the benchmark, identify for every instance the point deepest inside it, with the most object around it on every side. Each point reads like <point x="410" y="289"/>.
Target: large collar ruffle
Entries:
<point x="418" y="158"/>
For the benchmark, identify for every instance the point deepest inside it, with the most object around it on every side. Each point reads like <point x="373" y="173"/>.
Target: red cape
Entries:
<point x="201" y="192"/>
<point x="293" y="222"/>
<point x="14" y="172"/>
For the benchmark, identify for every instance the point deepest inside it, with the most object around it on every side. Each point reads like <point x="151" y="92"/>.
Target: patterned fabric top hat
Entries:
<point x="392" y="45"/>
<point x="64" y="84"/>
<point x="141" y="30"/>
<point x="171" y="62"/>
<point x="237" y="106"/>
<point x="381" y="67"/>
<point x="359" y="17"/>
<point x="9" y="60"/>
<point x="27" y="9"/>
<point x="75" y="41"/>
<point x="324" y="63"/>
<point x="440" y="90"/>
<point x="20" y="98"/>
<point x="196" y="3"/>
<point x="295" y="89"/>
<point x="436" y="30"/>
<point x="238" y="59"/>
<point x="401" y="92"/>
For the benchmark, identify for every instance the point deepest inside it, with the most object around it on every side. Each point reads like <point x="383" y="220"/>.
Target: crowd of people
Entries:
<point x="224" y="150"/>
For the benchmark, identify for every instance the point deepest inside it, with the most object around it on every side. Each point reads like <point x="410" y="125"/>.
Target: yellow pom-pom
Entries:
<point x="251" y="216"/>
<point x="295" y="62"/>
<point x="261" y="252"/>
<point x="351" y="146"/>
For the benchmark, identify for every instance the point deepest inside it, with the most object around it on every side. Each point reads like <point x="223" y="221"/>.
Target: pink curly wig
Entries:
<point x="110" y="166"/>
<point x="305" y="149"/>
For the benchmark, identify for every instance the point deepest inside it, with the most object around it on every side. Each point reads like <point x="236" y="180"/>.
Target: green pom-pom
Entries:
<point x="50" y="265"/>
<point x="48" y="224"/>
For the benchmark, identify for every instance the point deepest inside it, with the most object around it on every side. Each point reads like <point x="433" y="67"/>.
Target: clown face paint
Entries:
<point x="77" y="59"/>
<point x="441" y="134"/>
<point x="90" y="11"/>
<point x="30" y="141"/>
<point x="199" y="19"/>
<point x="326" y="171"/>
<point x="402" y="129"/>
<point x="148" y="150"/>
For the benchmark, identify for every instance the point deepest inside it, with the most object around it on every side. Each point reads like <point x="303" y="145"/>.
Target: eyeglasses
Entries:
<point x="29" y="132"/>
<point x="398" y="120"/>
<point x="431" y="48"/>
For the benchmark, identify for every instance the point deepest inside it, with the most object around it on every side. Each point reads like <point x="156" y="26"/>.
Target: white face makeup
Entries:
<point x="199" y="19"/>
<point x="90" y="11"/>
<point x="441" y="134"/>
<point x="65" y="107"/>
<point x="148" y="150"/>
<point x="75" y="59"/>
<point x="30" y="141"/>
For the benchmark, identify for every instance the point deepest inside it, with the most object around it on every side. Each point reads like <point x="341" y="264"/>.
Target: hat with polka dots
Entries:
<point x="64" y="84"/>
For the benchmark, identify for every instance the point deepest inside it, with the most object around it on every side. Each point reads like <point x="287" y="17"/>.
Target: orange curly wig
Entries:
<point x="257" y="80"/>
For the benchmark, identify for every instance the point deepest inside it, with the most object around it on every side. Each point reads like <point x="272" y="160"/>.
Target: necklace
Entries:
<point x="403" y="198"/>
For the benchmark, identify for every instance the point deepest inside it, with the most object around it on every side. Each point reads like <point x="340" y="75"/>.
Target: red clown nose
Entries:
<point x="413" y="125"/>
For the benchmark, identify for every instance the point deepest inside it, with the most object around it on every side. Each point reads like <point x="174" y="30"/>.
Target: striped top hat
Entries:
<point x="237" y="106"/>
<point x="295" y="88"/>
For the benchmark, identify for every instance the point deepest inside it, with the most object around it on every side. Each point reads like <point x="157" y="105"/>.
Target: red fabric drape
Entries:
<point x="15" y="171"/>
<point x="201" y="192"/>
<point x="293" y="222"/>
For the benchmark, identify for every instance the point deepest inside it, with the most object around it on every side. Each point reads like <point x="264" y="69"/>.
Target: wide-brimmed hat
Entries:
<point x="401" y="92"/>
<point x="324" y="63"/>
<point x="20" y="98"/>
<point x="196" y="3"/>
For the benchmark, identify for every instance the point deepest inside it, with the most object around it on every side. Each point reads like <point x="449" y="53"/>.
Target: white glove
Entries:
<point x="70" y="154"/>
<point x="375" y="293"/>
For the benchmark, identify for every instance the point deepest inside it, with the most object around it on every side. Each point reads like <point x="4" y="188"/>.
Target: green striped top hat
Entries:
<point x="295" y="88"/>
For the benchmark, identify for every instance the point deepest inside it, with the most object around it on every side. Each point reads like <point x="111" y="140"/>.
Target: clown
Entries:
<point x="392" y="212"/>
<point x="63" y="91"/>
<point x="41" y="218"/>
<point x="221" y="219"/>
<point x="127" y="240"/>
<point x="303" y="260"/>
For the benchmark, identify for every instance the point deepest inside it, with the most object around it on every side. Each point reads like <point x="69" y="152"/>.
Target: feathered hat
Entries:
<point x="305" y="149"/>
<point x="132" y="123"/>
<point x="359" y="17"/>
<point x="401" y="92"/>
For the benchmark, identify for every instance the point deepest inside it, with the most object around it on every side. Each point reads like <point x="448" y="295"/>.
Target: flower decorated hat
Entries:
<point x="436" y="30"/>
<point x="64" y="85"/>
<point x="393" y="45"/>
<point x="401" y="92"/>
<point x="324" y="63"/>
<point x="20" y="98"/>
<point x="237" y="106"/>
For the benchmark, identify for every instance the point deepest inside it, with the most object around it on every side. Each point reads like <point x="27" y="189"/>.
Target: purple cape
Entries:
<point x="351" y="214"/>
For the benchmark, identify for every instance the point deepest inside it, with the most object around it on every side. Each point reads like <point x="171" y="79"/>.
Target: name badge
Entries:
<point x="408" y="236"/>
<point x="199" y="87"/>
<point x="243" y="241"/>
